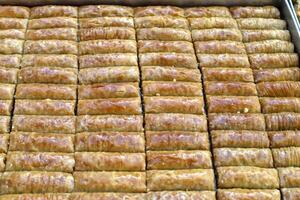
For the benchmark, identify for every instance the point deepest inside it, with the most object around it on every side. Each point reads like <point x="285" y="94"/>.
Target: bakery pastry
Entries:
<point x="12" y="34"/>
<point x="261" y="23"/>
<point x="44" y="60"/>
<point x="7" y="91"/>
<point x="53" y="11"/>
<point x="283" y="74"/>
<point x="219" y="47"/>
<point x="230" y="88"/>
<point x="277" y="105"/>
<point x="172" y="160"/>
<point x="50" y="47"/>
<point x="212" y="22"/>
<point x="286" y="157"/>
<point x="14" y="12"/>
<point x="261" y="12"/>
<point x="104" y="60"/>
<point x="10" y="61"/>
<point x="11" y="46"/>
<point x="4" y="138"/>
<point x="209" y="11"/>
<point x="188" y="195"/>
<point x="155" y="46"/>
<point x="110" y="142"/>
<point x="91" y="11"/>
<point x="290" y="193"/>
<point x="260" y="35"/>
<point x="52" y="34"/>
<point x="8" y="75"/>
<point x="161" y="22"/>
<point x="289" y="177"/>
<point x="243" y="194"/>
<point x="100" y="161"/>
<point x="279" y="89"/>
<point x="107" y="46"/>
<point x="175" y="122"/>
<point x="2" y="162"/>
<point x="283" y="121"/>
<point x="106" y="22"/>
<point x="228" y="74"/>
<point x="41" y="142"/>
<point x="176" y="140"/>
<point x="284" y="138"/>
<point x="223" y="60"/>
<point x="217" y="34"/>
<point x="270" y="46"/>
<point x="5" y="107"/>
<point x="164" y="34"/>
<point x="46" y="196"/>
<point x="158" y="11"/>
<point x="4" y="124"/>
<point x="276" y="60"/>
<point x="52" y="22"/>
<point x="239" y="139"/>
<point x="106" y="196"/>
<point x="110" y="181"/>
<point x="107" y="33"/>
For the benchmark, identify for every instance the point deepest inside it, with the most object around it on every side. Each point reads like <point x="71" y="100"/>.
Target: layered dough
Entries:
<point x="285" y="157"/>
<point x="290" y="193"/>
<point x="14" y="12"/>
<point x="209" y="11"/>
<point x="212" y="22"/>
<point x="50" y="47"/>
<point x="228" y="74"/>
<point x="282" y="74"/>
<point x="282" y="121"/>
<point x="52" y="34"/>
<point x="289" y="177"/>
<point x="219" y="47"/>
<point x="223" y="60"/>
<point x="217" y="34"/>
<point x="261" y="12"/>
<point x="158" y="11"/>
<point x="106" y="22"/>
<point x="164" y="34"/>
<point x="274" y="60"/>
<point x="49" y="60"/>
<point x="153" y="46"/>
<point x="261" y="35"/>
<point x="189" y="195"/>
<point x="106" y="196"/>
<point x="161" y="22"/>
<point x="5" y="107"/>
<point x="52" y="22"/>
<point x="279" y="89"/>
<point x="104" y="60"/>
<point x="53" y="11"/>
<point x="284" y="138"/>
<point x="261" y="24"/>
<point x="277" y="105"/>
<point x="91" y="11"/>
<point x="46" y="196"/>
<point x="230" y="88"/>
<point x="243" y="194"/>
<point x="107" y="33"/>
<point x="269" y="46"/>
<point x="107" y="46"/>
<point x="4" y="138"/>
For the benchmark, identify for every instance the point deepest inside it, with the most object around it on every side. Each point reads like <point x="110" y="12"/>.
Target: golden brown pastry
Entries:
<point x="108" y="60"/>
<point x="50" y="47"/>
<point x="109" y="75"/>
<point x="175" y="122"/>
<point x="188" y="105"/>
<point x="106" y="196"/>
<point x="117" y="106"/>
<point x="176" y="140"/>
<point x="188" y="195"/>
<point x="5" y="107"/>
<point x="276" y="60"/>
<point x="158" y="73"/>
<point x="283" y="74"/>
<point x="231" y="121"/>
<point x="211" y="11"/>
<point x="239" y="138"/>
<point x="8" y="75"/>
<point x="193" y="179"/>
<point x="46" y="91"/>
<point x="4" y="124"/>
<point x="290" y="193"/>
<point x="2" y="162"/>
<point x="14" y="12"/>
<point x="105" y="11"/>
<point x="12" y="34"/>
<point x="289" y="177"/>
<point x="44" y="60"/>
<point x="10" y="61"/>
<point x="244" y="194"/>
<point x="270" y="46"/>
<point x="44" y="124"/>
<point x="223" y="60"/>
<point x="158" y="11"/>
<point x="284" y="138"/>
<point x="155" y="88"/>
<point x="283" y="121"/>
<point x="152" y="46"/>
<point x="164" y="34"/>
<point x="161" y="22"/>
<point x="4" y="138"/>
<point x="247" y="177"/>
<point x="217" y="34"/>
<point x="286" y="157"/>
<point x="277" y="105"/>
<point x="106" y="22"/>
<point x="107" y="33"/>
<point x="96" y="161"/>
<point x="126" y="123"/>
<point x="233" y="104"/>
<point x="110" y="142"/>
<point x="7" y="91"/>
<point x="36" y="182"/>
<point x="260" y="35"/>
<point x="279" y="89"/>
<point x="212" y="22"/>
<point x="107" y="46"/>
<point x="110" y="181"/>
<point x="219" y="47"/>
<point x="109" y="90"/>
<point x="39" y="142"/>
<point x="230" y="88"/>
<point x="243" y="157"/>
<point x="11" y="46"/>
<point x="228" y="74"/>
<point x="46" y="196"/>
<point x="261" y="23"/>
<point x="260" y="12"/>
<point x="44" y="107"/>
<point x="172" y="160"/>
<point x="52" y="34"/>
<point x="39" y="161"/>
<point x="49" y="75"/>
<point x="53" y="11"/>
<point x="52" y="22"/>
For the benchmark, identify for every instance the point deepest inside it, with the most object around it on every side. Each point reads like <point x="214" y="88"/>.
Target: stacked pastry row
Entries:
<point x="110" y="144"/>
<point x="178" y="155"/>
<point x="40" y="157"/>
<point x="277" y="74"/>
<point x="237" y="127"/>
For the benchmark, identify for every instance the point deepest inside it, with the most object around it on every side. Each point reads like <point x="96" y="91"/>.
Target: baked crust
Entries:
<point x="219" y="47"/>
<point x="172" y="160"/>
<point x="161" y="22"/>
<point x="210" y="11"/>
<point x="14" y="11"/>
<point x="4" y="138"/>
<point x="53" y="11"/>
<point x="92" y="11"/>
<point x="52" y="34"/>
<point x="4" y="124"/>
<point x="284" y="74"/>
<point x="155" y="46"/>
<point x="158" y="11"/>
<point x="10" y="61"/>
<point x="283" y="121"/>
<point x="176" y="140"/>
<point x="279" y="89"/>
<point x="7" y="91"/>
<point x="260" y="12"/>
<point x="107" y="33"/>
<point x="287" y="157"/>
<point x="164" y="34"/>
<point x="106" y="196"/>
<point x="217" y="34"/>
<point x="50" y="47"/>
<point x="260" y="35"/>
<point x="277" y="105"/>
<point x="188" y="195"/>
<point x="289" y="177"/>
<point x="230" y="88"/>
<point x="100" y="161"/>
<point x="106" y="22"/>
<point x="284" y="138"/>
<point x="212" y="22"/>
<point x="2" y="162"/>
<point x="228" y="74"/>
<point x="47" y="196"/>
<point x="175" y="122"/>
<point x="44" y="60"/>
<point x="231" y="121"/>
<point x="44" y="124"/>
<point x="244" y="194"/>
<point x="290" y="193"/>
<point x="261" y="23"/>
<point x="223" y="60"/>
<point x="270" y="46"/>
<point x="5" y="107"/>
<point x="11" y="46"/>
<point x="12" y="34"/>
<point x="129" y="142"/>
<point x="110" y="181"/>
<point x="107" y="46"/>
<point x="108" y="60"/>
<point x="276" y="60"/>
<point x="247" y="178"/>
<point x="53" y="22"/>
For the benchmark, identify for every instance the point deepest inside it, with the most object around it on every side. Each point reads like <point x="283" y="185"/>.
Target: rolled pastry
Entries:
<point x="11" y="46"/>
<point x="261" y="12"/>
<point x="270" y="46"/>
<point x="10" y="61"/>
<point x="209" y="11"/>
<point x="260" y="35"/>
<point x="290" y="193"/>
<point x="158" y="11"/>
<point x="243" y="194"/>
<point x="110" y="181"/>
<point x="106" y="196"/>
<point x="230" y="121"/>
<point x="36" y="182"/>
<point x="110" y="142"/>
<point x="44" y="107"/>
<point x="284" y="138"/>
<point x="239" y="139"/>
<point x="155" y="88"/>
<point x="2" y="162"/>
<point x="287" y="157"/>
<point x="105" y="11"/>
<point x="289" y="177"/>
<point x="276" y="60"/>
<point x="261" y="23"/>
<point x="176" y="140"/>
<point x="107" y="46"/>
<point x="161" y="22"/>
<point x="178" y="160"/>
<point x="41" y="142"/>
<point x="219" y="47"/>
<point x="152" y="46"/>
<point x="46" y="196"/>
<point x="14" y="12"/>
<point x="217" y="34"/>
<point x="50" y="47"/>
<point x="283" y="121"/>
<point x="223" y="60"/>
<point x="96" y="161"/>
<point x="130" y="123"/>
<point x="7" y="91"/>
<point x="44" y="60"/>
<point x="164" y="34"/>
<point x="5" y="107"/>
<point x="230" y="88"/>
<point x="277" y="105"/>
<point x="108" y="60"/>
<point x="188" y="195"/>
<point x="284" y="74"/>
<point x="52" y="34"/>
<point x="53" y="11"/>
<point x="8" y="75"/>
<point x="12" y="34"/>
<point x="212" y="22"/>
<point x="4" y="138"/>
<point x="44" y="124"/>
<point x="52" y="22"/>
<point x="4" y="124"/>
<point x="279" y="89"/>
<point x="228" y="74"/>
<point x="175" y="122"/>
<point x="94" y="22"/>
<point x="106" y="33"/>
